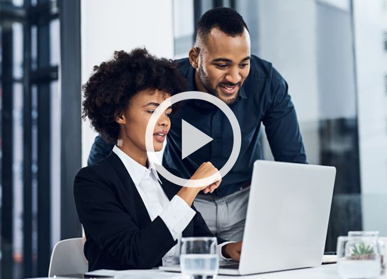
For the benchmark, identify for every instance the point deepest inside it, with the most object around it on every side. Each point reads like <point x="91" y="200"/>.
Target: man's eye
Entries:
<point x="221" y="66"/>
<point x="150" y="111"/>
<point x="243" y="65"/>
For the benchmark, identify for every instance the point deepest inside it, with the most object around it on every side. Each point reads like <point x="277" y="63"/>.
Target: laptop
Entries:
<point x="287" y="218"/>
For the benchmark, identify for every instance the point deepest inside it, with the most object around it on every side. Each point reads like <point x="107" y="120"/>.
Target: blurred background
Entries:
<point x="333" y="54"/>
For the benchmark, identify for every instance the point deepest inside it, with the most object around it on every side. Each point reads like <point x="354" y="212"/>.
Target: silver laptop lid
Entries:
<point x="287" y="216"/>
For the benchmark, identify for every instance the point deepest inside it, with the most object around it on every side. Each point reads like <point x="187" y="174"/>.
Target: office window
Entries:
<point x="29" y="58"/>
<point x="183" y="27"/>
<point x="385" y="81"/>
<point x="385" y="41"/>
<point x="312" y="46"/>
<point x="186" y="15"/>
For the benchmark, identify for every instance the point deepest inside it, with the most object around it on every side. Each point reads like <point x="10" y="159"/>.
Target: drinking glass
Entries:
<point x="199" y="257"/>
<point x="358" y="257"/>
<point x="172" y="258"/>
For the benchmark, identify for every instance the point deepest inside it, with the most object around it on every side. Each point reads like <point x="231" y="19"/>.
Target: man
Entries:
<point x="220" y="63"/>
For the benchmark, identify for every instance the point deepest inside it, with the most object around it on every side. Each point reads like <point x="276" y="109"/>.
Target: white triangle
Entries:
<point x="192" y="139"/>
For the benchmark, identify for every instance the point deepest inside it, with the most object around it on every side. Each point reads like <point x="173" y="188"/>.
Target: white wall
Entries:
<point x="109" y="25"/>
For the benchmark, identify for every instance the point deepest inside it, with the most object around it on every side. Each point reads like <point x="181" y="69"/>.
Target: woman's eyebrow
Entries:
<point x="152" y="104"/>
<point x="156" y="105"/>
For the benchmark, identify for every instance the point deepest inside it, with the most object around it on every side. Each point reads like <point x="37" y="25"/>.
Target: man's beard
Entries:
<point x="205" y="80"/>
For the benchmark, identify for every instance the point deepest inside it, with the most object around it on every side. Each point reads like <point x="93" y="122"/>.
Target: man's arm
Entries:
<point x="281" y="124"/>
<point x="99" y="150"/>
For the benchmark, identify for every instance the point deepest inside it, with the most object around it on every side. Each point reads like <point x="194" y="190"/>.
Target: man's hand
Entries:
<point x="232" y="250"/>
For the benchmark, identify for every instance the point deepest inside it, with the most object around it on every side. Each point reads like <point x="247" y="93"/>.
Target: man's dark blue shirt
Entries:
<point x="263" y="98"/>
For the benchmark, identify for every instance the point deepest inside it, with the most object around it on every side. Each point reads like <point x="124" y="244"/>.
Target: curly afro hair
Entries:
<point x="113" y="83"/>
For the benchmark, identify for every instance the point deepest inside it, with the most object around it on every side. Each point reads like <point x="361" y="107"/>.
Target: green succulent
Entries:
<point x="362" y="250"/>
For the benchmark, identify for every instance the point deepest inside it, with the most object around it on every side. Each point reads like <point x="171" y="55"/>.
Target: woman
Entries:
<point x="131" y="218"/>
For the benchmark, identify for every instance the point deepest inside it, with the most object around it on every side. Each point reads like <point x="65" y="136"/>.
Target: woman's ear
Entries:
<point x="120" y="119"/>
<point x="193" y="56"/>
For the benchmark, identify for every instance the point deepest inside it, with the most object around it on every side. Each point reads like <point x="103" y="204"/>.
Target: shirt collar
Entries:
<point x="242" y="93"/>
<point x="135" y="170"/>
<point x="191" y="80"/>
<point x="153" y="169"/>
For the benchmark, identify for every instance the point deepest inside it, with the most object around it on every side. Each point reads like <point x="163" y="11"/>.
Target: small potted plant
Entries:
<point x="362" y="252"/>
<point x="358" y="257"/>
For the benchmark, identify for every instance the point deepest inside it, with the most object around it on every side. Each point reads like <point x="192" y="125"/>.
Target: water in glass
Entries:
<point x="199" y="257"/>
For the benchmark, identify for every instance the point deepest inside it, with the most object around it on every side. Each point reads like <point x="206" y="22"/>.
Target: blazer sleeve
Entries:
<point x="113" y="228"/>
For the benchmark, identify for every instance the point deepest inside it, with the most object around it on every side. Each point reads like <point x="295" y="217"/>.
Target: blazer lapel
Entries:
<point x="142" y="215"/>
<point x="134" y="197"/>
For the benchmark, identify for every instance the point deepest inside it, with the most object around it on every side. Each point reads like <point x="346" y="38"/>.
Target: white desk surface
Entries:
<point x="322" y="272"/>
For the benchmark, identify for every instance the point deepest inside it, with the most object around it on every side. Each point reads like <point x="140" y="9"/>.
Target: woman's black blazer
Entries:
<point x="119" y="232"/>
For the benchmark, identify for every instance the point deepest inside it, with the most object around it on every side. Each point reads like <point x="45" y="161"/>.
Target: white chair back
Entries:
<point x="67" y="258"/>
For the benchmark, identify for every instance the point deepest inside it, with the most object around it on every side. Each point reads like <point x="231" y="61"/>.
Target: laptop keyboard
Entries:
<point x="229" y="265"/>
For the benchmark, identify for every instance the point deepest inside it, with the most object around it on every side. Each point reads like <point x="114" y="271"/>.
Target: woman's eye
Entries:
<point x="167" y="112"/>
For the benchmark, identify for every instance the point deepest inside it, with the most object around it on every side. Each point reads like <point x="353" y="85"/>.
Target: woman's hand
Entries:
<point x="205" y="170"/>
<point x="232" y="250"/>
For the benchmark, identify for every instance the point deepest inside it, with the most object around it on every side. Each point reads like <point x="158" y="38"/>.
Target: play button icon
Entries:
<point x="192" y="139"/>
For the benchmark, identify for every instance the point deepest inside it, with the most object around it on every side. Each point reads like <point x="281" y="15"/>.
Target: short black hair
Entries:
<point x="227" y="20"/>
<point x="113" y="84"/>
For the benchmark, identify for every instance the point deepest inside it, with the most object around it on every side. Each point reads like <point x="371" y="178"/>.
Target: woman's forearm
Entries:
<point x="188" y="194"/>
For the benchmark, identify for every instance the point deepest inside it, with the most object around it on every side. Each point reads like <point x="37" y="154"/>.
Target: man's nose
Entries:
<point x="234" y="75"/>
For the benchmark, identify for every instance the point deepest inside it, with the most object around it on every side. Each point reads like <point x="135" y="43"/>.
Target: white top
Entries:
<point x="176" y="214"/>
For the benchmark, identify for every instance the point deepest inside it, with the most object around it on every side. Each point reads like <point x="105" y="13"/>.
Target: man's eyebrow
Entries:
<point x="246" y="58"/>
<point x="229" y="60"/>
<point x="222" y="60"/>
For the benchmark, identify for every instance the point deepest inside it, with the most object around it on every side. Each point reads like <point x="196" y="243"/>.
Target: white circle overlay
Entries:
<point x="197" y="96"/>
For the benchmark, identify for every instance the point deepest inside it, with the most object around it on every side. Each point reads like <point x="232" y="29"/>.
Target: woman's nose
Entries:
<point x="163" y="120"/>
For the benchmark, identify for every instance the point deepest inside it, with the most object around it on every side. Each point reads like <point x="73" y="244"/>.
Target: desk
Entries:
<point x="322" y="272"/>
